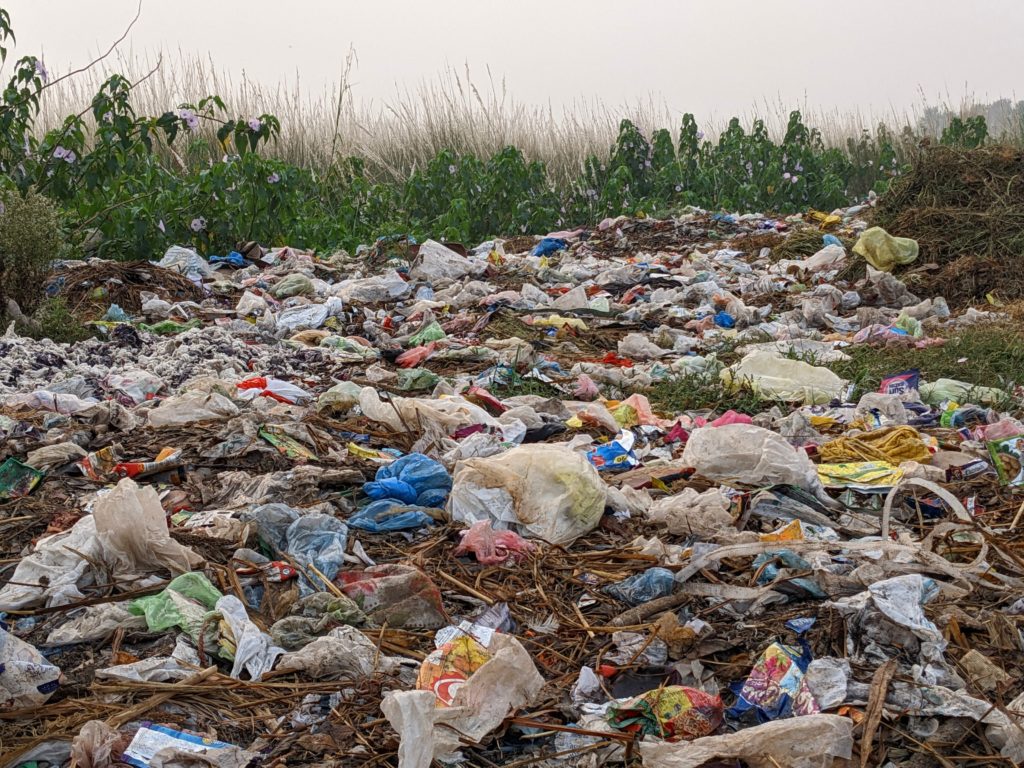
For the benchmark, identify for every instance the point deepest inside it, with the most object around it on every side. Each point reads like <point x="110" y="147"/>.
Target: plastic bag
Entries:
<point x="95" y="622"/>
<point x="26" y="678"/>
<point x="317" y="540"/>
<point x="183" y="604"/>
<point x="312" y="617"/>
<point x="132" y="527"/>
<point x="643" y="587"/>
<point x="883" y="251"/>
<point x="343" y="653"/>
<point x="412" y="479"/>
<point x="52" y="574"/>
<point x="743" y="453"/>
<point x="779" y="378"/>
<point x="253" y="650"/>
<point x="295" y="284"/>
<point x="436" y="262"/>
<point x="942" y="390"/>
<point x="493" y="547"/>
<point x="275" y="389"/>
<point x="93" y="745"/>
<point x="396" y="595"/>
<point x="190" y="408"/>
<point x="390" y="515"/>
<point x="546" y="491"/>
<point x="814" y="741"/>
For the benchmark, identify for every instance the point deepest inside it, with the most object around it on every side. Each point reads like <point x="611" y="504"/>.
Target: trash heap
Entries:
<point x="416" y="505"/>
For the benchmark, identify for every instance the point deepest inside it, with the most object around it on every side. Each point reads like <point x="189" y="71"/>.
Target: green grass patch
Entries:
<point x="987" y="355"/>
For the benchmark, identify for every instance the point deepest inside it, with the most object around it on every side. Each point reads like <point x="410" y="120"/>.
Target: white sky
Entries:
<point x="710" y="57"/>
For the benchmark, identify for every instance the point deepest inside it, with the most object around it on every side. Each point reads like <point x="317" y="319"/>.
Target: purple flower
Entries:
<point x="3" y="208"/>
<point x="161" y="227"/>
<point x="700" y="135"/>
<point x="255" y="124"/>
<point x="451" y="169"/>
<point x="59" y="153"/>
<point x="190" y="118"/>
<point x="795" y="179"/>
<point x="273" y="178"/>
<point x="786" y="175"/>
<point x="41" y="70"/>
<point x="198" y="224"/>
<point x="70" y="157"/>
<point x="679" y="187"/>
<point x="799" y="168"/>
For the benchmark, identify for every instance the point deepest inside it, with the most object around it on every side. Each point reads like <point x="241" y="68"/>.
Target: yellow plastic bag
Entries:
<point x="883" y="251"/>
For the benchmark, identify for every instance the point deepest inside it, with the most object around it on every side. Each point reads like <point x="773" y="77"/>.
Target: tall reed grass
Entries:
<point x="459" y="112"/>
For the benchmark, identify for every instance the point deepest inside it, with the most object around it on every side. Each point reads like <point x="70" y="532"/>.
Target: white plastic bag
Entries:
<point x="811" y="741"/>
<point x="190" y="408"/>
<point x="436" y="262"/>
<point x="255" y="652"/>
<point x="132" y="527"/>
<point x="55" y="571"/>
<point x="743" y="453"/>
<point x="546" y="491"/>
<point x="780" y="378"/>
<point x="343" y="653"/>
<point x="692" y="513"/>
<point x="26" y="678"/>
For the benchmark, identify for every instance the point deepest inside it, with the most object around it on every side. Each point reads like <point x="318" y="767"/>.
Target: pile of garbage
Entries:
<point x="416" y="505"/>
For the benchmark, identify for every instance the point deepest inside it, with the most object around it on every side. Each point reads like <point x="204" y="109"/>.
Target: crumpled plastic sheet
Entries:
<point x="507" y="682"/>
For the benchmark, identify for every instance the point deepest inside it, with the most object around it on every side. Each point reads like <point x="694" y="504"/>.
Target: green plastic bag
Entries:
<point x="183" y="604"/>
<point x="432" y="332"/>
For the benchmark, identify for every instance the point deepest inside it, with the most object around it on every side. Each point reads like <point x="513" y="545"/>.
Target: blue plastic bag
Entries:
<point x="724" y="320"/>
<point x="387" y="515"/>
<point x="831" y="240"/>
<point x="235" y="259"/>
<point x="644" y="587"/>
<point x="549" y="245"/>
<point x="409" y="478"/>
<point x="317" y="540"/>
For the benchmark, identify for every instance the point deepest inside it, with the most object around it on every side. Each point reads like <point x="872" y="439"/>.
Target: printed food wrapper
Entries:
<point x="673" y="712"/>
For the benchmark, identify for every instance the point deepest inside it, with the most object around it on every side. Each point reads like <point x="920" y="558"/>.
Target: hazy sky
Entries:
<point x="707" y="57"/>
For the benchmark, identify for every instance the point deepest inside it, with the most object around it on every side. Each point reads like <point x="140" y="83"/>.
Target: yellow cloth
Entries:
<point x="891" y="444"/>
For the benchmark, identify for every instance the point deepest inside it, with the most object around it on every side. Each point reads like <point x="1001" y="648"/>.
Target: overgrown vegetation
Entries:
<point x="30" y="239"/>
<point x="195" y="173"/>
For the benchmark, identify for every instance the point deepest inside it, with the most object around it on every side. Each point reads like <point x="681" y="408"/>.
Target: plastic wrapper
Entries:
<point x="672" y="712"/>
<point x="692" y="513"/>
<point x="775" y="686"/>
<point x="546" y="491"/>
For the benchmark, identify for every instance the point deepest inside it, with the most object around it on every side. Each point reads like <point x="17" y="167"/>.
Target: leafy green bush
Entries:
<point x="30" y="239"/>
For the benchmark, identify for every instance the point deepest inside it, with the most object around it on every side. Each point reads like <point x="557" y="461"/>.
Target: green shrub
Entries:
<point x="53" y="320"/>
<point x="30" y="239"/>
